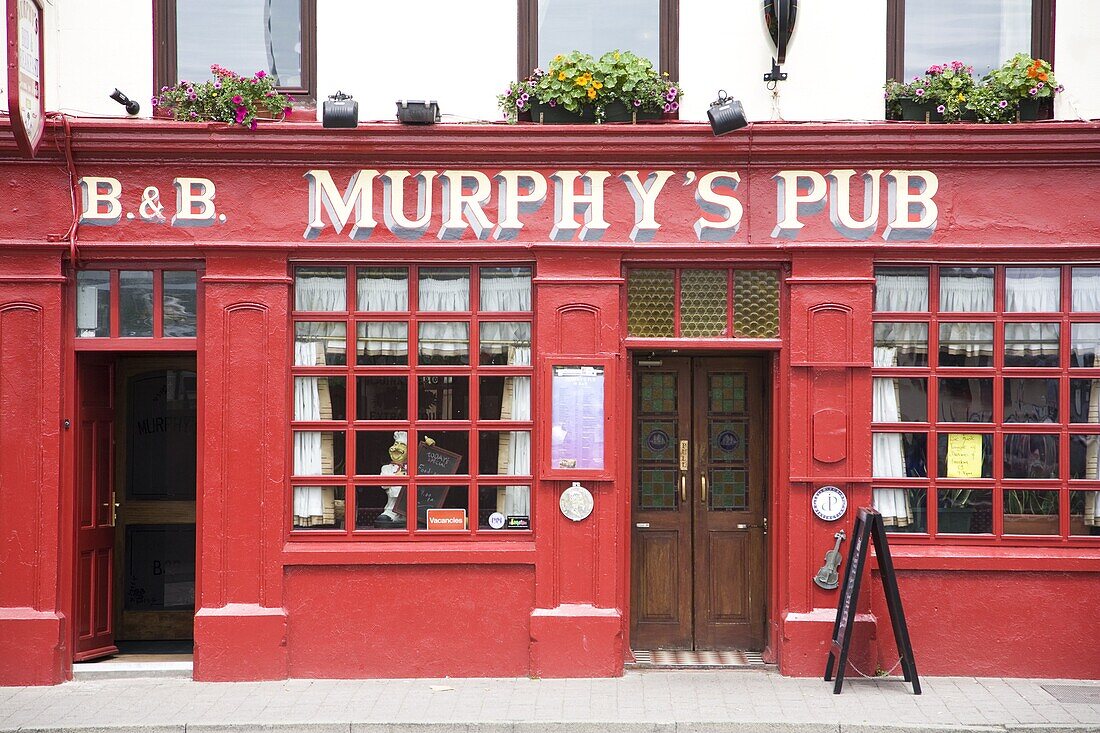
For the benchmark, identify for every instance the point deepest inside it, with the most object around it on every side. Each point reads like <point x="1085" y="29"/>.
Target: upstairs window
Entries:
<point x="648" y="28"/>
<point x="980" y="33"/>
<point x="246" y="36"/>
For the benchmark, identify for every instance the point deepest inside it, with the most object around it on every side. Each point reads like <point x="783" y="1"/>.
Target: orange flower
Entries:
<point x="1032" y="73"/>
<point x="1042" y="76"/>
<point x="591" y="93"/>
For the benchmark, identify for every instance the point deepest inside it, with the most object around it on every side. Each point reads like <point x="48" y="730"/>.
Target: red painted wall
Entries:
<point x="558" y="605"/>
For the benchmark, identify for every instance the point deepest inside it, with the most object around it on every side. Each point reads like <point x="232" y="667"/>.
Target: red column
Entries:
<point x="830" y="342"/>
<point x="35" y="520"/>
<point x="577" y="624"/>
<point x="241" y="625"/>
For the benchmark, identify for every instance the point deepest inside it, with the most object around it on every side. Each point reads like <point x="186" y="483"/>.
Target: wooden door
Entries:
<point x="94" y="623"/>
<point x="699" y="484"/>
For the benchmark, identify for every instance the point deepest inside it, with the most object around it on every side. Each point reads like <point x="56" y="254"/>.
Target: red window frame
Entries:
<point x="158" y="341"/>
<point x="474" y="371"/>
<point x="932" y="427"/>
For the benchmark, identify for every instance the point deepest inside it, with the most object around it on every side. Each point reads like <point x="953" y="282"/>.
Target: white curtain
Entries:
<point x="1086" y="289"/>
<point x="1086" y="339"/>
<point x="382" y="294"/>
<point x="965" y="293"/>
<point x="901" y="292"/>
<point x="514" y="450"/>
<point x="1032" y="290"/>
<point x="511" y="293"/>
<point x="444" y="338"/>
<point x="888" y="458"/>
<point x="320" y="293"/>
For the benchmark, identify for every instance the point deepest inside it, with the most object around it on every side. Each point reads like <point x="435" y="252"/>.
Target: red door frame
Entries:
<point x="777" y="369"/>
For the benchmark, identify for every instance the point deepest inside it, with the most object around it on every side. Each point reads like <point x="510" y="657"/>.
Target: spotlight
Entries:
<point x="340" y="110"/>
<point x="132" y="107"/>
<point x="726" y="114"/>
<point x="417" y="112"/>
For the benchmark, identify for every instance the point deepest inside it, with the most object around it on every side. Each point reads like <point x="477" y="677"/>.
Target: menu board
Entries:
<point x="577" y="418"/>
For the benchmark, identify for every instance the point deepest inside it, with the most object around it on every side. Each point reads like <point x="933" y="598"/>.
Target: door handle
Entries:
<point x="683" y="488"/>
<point x="114" y="508"/>
<point x="703" y="491"/>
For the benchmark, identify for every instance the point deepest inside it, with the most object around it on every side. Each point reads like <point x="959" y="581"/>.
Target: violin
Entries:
<point x="828" y="577"/>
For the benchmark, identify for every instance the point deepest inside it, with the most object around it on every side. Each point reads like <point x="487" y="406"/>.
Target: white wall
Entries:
<point x="96" y="47"/>
<point x="1077" y="59"/>
<point x="461" y="54"/>
<point x="836" y="59"/>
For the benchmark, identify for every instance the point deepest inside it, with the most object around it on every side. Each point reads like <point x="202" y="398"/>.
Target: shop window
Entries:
<point x="139" y="304"/>
<point x="648" y="28"/>
<point x="426" y="432"/>
<point x="702" y="303"/>
<point x="981" y="33"/>
<point x="986" y="425"/>
<point x="275" y="36"/>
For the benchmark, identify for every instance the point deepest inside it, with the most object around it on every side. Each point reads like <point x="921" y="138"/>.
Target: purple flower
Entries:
<point x="1059" y="88"/>
<point x="242" y="112"/>
<point x="538" y="72"/>
<point x="194" y="115"/>
<point x="286" y="110"/>
<point x="670" y="95"/>
<point x="253" y="126"/>
<point x="1002" y="104"/>
<point x="154" y="101"/>
<point x="164" y="89"/>
<point x="1033" y="91"/>
<point x="190" y="90"/>
<point x="192" y="96"/>
<point x="920" y="92"/>
<point x="941" y="109"/>
<point x="217" y="83"/>
<point x="261" y="74"/>
<point x="553" y="103"/>
<point x="507" y="92"/>
<point x="637" y="103"/>
<point x="667" y="107"/>
<point x="674" y="107"/>
<point x="524" y="97"/>
<point x="1040" y="85"/>
<point x="237" y="99"/>
<point x="519" y="103"/>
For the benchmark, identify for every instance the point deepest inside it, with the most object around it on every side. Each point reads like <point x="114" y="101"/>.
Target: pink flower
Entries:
<point x="920" y="92"/>
<point x="242" y="112"/>
<point x="237" y="99"/>
<point x="1033" y="91"/>
<point x="1002" y="104"/>
<point x="253" y="126"/>
<point x="941" y="109"/>
<point x="261" y="74"/>
<point x="154" y="101"/>
<point x="286" y="110"/>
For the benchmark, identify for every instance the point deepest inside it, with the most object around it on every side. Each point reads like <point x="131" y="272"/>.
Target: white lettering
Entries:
<point x="712" y="202"/>
<point x="790" y="203"/>
<point x="98" y="192"/>
<point x="359" y="198"/>
<point x="512" y="200"/>
<point x="901" y="204"/>
<point x="840" y="205"/>
<point x="192" y="192"/>
<point x="568" y="203"/>
<point x="393" y="203"/>
<point x="460" y="207"/>
<point x="645" y="200"/>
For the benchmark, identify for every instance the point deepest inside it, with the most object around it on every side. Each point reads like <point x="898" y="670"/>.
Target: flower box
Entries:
<point x="913" y="111"/>
<point x="613" y="112"/>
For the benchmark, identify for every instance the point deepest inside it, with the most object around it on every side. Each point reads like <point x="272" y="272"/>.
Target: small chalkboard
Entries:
<point x="431" y="460"/>
<point x="868" y="528"/>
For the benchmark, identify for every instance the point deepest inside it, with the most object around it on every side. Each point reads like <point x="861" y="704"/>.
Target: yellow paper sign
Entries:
<point x="964" y="455"/>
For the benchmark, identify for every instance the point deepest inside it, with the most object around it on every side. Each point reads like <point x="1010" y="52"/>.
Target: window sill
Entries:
<point x="1008" y="559"/>
<point x="409" y="553"/>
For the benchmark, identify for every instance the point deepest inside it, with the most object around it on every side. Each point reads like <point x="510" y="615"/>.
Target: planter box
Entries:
<point x="614" y="112"/>
<point x="913" y="111"/>
<point x="1035" y="524"/>
<point x="954" y="520"/>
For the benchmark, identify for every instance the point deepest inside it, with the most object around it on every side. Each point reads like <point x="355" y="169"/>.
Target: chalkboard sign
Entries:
<point x="431" y="460"/>
<point x="868" y="528"/>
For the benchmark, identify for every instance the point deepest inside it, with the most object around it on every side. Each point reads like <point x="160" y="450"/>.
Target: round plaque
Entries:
<point x="576" y="502"/>
<point x="496" y="520"/>
<point x="728" y="441"/>
<point x="829" y="503"/>
<point x="657" y="440"/>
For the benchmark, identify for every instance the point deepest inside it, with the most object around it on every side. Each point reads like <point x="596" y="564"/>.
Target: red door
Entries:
<point x="94" y="625"/>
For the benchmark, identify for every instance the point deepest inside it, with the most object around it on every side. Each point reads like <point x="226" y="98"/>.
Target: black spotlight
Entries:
<point x="779" y="17"/>
<point x="417" y="112"/>
<point x="726" y="114"/>
<point x="132" y="107"/>
<point x="340" y="110"/>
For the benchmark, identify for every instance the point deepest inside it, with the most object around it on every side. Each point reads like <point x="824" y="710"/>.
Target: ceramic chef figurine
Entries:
<point x="392" y="517"/>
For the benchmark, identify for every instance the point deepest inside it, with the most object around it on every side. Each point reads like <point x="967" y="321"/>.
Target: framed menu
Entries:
<point x="579" y="415"/>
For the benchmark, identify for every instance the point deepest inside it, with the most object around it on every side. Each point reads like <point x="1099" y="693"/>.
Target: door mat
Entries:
<point x="1085" y="694"/>
<point x="662" y="659"/>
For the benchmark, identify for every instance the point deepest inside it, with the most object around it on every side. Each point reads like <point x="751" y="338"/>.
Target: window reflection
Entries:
<point x="1028" y="455"/>
<point x="901" y="344"/>
<point x="1084" y="400"/>
<point x="966" y="400"/>
<point x="241" y="35"/>
<point x="596" y="28"/>
<point x="981" y="32"/>
<point x="1031" y="400"/>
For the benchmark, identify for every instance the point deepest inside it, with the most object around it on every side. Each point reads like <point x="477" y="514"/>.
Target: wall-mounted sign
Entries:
<point x="25" y="59"/>
<point x="577" y="418"/>
<point x="829" y="503"/>
<point x="576" y="502"/>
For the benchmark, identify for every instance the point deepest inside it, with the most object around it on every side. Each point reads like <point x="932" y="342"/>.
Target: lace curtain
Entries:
<point x="888" y="455"/>
<point x="1086" y="339"/>
<point x="514" y="450"/>
<point x="388" y="295"/>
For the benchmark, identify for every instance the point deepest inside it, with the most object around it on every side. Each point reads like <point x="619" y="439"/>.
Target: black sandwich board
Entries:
<point x="869" y="527"/>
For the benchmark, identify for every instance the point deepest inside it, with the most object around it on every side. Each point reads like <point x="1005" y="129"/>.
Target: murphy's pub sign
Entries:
<point x="533" y="205"/>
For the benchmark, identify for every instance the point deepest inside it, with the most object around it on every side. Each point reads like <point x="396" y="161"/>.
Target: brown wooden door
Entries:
<point x="94" y="623"/>
<point x="700" y="468"/>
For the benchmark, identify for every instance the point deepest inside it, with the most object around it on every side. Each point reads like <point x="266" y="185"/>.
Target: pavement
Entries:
<point x="642" y="701"/>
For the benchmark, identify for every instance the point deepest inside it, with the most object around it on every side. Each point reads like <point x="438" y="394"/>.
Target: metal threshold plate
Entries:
<point x="664" y="659"/>
<point x="1084" y="694"/>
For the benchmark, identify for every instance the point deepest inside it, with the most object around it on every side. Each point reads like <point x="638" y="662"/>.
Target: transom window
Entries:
<point x="987" y="401"/>
<point x="648" y="28"/>
<point x="981" y="33"/>
<point x="140" y="304"/>
<point x="412" y="400"/>
<point x="276" y="36"/>
<point x="702" y="303"/>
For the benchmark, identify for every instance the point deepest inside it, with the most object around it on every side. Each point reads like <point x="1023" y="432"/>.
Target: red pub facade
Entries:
<point x="491" y="400"/>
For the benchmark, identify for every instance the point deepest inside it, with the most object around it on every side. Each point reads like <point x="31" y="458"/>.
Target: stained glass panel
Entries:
<point x="657" y="440"/>
<point x="727" y="393"/>
<point x="756" y="304"/>
<point x="650" y="296"/>
<point x="729" y="490"/>
<point x="657" y="488"/>
<point x="658" y="392"/>
<point x="703" y="296"/>
<point x="728" y="440"/>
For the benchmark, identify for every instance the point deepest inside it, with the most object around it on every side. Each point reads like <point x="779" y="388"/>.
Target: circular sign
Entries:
<point x="728" y="441"/>
<point x="829" y="503"/>
<point x="576" y="502"/>
<point x="657" y="440"/>
<point x="496" y="520"/>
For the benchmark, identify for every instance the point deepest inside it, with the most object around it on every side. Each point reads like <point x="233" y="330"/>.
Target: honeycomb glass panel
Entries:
<point x="657" y="440"/>
<point x="703" y="295"/>
<point x="756" y="304"/>
<point x="656" y="488"/>
<point x="729" y="490"/>
<point x="727" y="441"/>
<point x="650" y="296"/>
<point x="658" y="393"/>
<point x="727" y="392"/>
